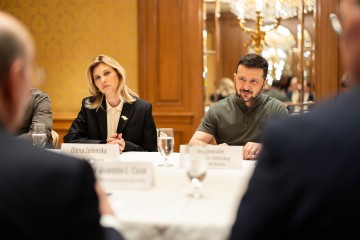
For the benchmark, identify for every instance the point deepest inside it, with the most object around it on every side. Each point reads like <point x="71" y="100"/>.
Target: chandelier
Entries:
<point x="270" y="9"/>
<point x="266" y="10"/>
<point x="259" y="32"/>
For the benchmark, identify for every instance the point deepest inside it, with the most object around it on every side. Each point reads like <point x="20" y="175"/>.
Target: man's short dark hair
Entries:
<point x="253" y="60"/>
<point x="10" y="50"/>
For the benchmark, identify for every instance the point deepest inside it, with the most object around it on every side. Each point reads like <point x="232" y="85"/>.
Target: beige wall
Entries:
<point x="69" y="33"/>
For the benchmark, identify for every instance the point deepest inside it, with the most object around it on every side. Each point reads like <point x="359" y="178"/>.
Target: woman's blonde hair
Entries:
<point x="125" y="93"/>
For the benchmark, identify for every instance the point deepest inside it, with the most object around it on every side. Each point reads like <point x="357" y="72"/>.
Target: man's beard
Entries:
<point x="250" y="99"/>
<point x="238" y="94"/>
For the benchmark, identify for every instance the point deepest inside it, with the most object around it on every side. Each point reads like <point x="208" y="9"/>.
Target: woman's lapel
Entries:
<point x="126" y="113"/>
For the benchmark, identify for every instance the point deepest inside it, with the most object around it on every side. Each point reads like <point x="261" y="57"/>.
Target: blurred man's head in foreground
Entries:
<point x="350" y="36"/>
<point x="16" y="66"/>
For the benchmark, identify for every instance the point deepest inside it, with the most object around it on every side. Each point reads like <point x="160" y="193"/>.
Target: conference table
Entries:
<point x="166" y="211"/>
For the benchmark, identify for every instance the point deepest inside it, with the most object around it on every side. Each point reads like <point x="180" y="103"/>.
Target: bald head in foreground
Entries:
<point x="16" y="61"/>
<point x="308" y="186"/>
<point x="43" y="195"/>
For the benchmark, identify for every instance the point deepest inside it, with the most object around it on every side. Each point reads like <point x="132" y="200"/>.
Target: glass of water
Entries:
<point x="38" y="135"/>
<point x="196" y="168"/>
<point x="165" y="141"/>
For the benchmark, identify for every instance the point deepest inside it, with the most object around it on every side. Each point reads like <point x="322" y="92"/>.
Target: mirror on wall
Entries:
<point x="282" y="31"/>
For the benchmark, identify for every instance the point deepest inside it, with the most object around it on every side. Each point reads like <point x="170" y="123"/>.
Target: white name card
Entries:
<point x="124" y="175"/>
<point x="92" y="152"/>
<point x="108" y="169"/>
<point x="218" y="157"/>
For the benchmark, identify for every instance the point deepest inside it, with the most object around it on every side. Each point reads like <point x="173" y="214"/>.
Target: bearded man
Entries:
<point x="239" y="119"/>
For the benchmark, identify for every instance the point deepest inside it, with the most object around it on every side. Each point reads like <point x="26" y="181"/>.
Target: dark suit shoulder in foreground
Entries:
<point x="306" y="184"/>
<point x="46" y="195"/>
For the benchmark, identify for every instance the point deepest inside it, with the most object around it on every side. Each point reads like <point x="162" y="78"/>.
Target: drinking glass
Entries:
<point x="38" y="135"/>
<point x="196" y="167"/>
<point x="165" y="141"/>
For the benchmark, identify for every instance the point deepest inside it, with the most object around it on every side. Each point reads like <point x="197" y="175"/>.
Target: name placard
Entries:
<point x="108" y="169"/>
<point x="218" y="157"/>
<point x="124" y="175"/>
<point x="92" y="152"/>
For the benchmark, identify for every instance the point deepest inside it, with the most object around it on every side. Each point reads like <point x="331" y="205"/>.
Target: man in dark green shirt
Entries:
<point x="239" y="118"/>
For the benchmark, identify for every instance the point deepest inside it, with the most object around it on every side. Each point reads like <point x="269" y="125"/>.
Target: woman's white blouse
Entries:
<point x="112" y="117"/>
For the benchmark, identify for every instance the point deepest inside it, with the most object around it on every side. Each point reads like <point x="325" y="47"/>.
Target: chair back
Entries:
<point x="55" y="138"/>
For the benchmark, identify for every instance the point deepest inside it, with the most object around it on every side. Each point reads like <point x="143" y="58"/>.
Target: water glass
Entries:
<point x="165" y="142"/>
<point x="38" y="135"/>
<point x="196" y="168"/>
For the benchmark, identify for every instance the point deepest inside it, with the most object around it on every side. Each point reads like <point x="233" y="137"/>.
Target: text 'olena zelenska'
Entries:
<point x="88" y="150"/>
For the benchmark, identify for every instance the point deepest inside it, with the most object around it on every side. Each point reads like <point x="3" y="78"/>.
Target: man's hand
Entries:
<point x="104" y="204"/>
<point x="251" y="150"/>
<point x="223" y="144"/>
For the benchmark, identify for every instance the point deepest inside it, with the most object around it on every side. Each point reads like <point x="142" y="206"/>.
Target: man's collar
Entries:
<point x="257" y="103"/>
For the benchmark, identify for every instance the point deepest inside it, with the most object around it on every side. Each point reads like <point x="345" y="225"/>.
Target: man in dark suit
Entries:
<point x="38" y="110"/>
<point x="309" y="188"/>
<point x="42" y="195"/>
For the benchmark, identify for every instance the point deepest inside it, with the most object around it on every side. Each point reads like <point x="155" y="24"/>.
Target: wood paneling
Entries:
<point x="233" y="41"/>
<point x="170" y="63"/>
<point x="169" y="52"/>
<point x="327" y="54"/>
<point x="62" y="123"/>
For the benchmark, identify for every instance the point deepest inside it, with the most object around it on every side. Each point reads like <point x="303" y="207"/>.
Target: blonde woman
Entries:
<point x="113" y="114"/>
<point x="227" y="88"/>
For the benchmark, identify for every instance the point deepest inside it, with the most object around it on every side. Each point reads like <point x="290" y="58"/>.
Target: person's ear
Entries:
<point x="15" y="94"/>
<point x="234" y="77"/>
<point x="14" y="82"/>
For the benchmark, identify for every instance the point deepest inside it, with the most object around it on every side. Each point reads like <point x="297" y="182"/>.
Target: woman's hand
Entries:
<point x="117" y="139"/>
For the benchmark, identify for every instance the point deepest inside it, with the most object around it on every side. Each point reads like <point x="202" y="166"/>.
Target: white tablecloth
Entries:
<point x="166" y="212"/>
